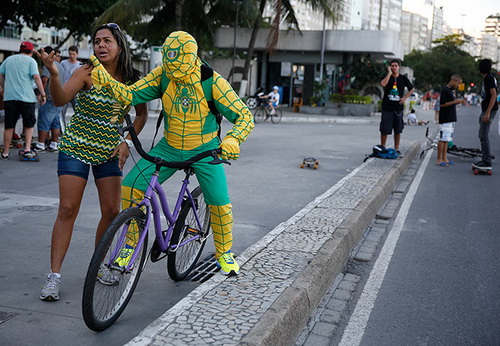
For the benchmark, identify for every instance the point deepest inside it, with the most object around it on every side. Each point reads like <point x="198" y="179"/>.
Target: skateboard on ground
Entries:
<point x="310" y="162"/>
<point x="478" y="170"/>
<point x="23" y="158"/>
<point x="17" y="143"/>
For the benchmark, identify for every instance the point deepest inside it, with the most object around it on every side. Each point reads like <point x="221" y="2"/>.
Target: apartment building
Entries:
<point x="414" y="32"/>
<point x="10" y="40"/>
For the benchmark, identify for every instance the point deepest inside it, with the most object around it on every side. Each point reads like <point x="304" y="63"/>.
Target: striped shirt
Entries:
<point x="92" y="134"/>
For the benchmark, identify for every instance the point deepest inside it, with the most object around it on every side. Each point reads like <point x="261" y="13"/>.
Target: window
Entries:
<point x="10" y="31"/>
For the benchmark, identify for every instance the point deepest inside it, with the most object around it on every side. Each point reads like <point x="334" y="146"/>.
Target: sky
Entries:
<point x="475" y="12"/>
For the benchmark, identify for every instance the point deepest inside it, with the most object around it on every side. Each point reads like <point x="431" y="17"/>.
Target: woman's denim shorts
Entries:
<point x="71" y="166"/>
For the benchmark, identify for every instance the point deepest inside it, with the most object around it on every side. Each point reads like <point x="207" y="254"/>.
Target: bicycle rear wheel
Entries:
<point x="104" y="299"/>
<point x="259" y="115"/>
<point x="183" y="259"/>
<point x="276" y="117"/>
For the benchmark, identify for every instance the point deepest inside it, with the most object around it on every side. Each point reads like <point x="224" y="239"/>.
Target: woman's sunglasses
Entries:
<point x="111" y="25"/>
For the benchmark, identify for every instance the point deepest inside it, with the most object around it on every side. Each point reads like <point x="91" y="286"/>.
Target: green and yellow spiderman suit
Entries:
<point x="189" y="127"/>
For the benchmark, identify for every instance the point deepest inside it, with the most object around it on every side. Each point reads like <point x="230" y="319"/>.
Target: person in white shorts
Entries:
<point x="447" y="118"/>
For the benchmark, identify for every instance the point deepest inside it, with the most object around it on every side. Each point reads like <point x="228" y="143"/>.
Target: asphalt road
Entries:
<point x="441" y="284"/>
<point x="266" y="186"/>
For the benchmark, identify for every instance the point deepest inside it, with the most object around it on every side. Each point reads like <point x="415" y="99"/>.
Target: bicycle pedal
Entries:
<point x="155" y="254"/>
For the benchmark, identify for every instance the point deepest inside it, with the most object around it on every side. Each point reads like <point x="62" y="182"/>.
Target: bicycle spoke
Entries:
<point x="189" y="237"/>
<point x="108" y="285"/>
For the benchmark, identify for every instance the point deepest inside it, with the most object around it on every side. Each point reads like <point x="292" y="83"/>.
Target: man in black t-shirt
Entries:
<point x="489" y="109"/>
<point x="447" y="118"/>
<point x="393" y="101"/>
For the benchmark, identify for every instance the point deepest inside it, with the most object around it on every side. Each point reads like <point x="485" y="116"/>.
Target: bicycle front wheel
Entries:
<point x="108" y="285"/>
<point x="188" y="238"/>
<point x="276" y="117"/>
<point x="259" y="115"/>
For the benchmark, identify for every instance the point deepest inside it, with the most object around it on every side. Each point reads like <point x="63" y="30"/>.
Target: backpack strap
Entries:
<point x="163" y="87"/>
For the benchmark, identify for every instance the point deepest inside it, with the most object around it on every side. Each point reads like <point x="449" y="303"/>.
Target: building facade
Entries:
<point x="414" y="32"/>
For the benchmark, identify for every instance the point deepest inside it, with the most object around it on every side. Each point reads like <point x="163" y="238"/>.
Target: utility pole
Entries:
<point x="323" y="38"/>
<point x="234" y="38"/>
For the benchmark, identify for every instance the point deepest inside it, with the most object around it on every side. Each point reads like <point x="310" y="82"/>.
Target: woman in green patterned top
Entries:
<point x="91" y="140"/>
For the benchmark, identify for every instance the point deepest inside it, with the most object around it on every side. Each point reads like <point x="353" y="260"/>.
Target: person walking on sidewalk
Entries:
<point x="393" y="101"/>
<point x="69" y="66"/>
<point x="17" y="74"/>
<point x="489" y="108"/>
<point x="48" y="114"/>
<point x="91" y="140"/>
<point x="447" y="118"/>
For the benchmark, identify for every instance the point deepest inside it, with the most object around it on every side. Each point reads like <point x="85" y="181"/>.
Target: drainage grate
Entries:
<point x="36" y="208"/>
<point x="5" y="316"/>
<point x="204" y="270"/>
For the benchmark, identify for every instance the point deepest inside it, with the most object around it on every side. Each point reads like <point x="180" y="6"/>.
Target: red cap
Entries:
<point x="26" y="46"/>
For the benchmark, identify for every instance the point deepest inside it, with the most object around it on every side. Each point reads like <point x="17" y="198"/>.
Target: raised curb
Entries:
<point x="290" y="313"/>
<point x="270" y="303"/>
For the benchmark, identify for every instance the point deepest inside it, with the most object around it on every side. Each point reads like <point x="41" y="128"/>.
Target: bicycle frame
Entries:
<point x="154" y="205"/>
<point x="155" y="199"/>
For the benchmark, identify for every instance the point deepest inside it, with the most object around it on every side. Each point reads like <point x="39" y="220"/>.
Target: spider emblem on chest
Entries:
<point x="186" y="99"/>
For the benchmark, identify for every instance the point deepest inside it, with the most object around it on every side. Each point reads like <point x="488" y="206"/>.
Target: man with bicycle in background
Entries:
<point x="190" y="127"/>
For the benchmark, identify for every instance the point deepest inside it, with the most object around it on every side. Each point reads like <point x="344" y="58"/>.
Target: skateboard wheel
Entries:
<point x="490" y="172"/>
<point x="315" y="167"/>
<point x="476" y="172"/>
<point x="302" y="165"/>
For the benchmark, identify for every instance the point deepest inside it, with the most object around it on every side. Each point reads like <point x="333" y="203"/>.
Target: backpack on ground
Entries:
<point x="381" y="152"/>
<point x="207" y="74"/>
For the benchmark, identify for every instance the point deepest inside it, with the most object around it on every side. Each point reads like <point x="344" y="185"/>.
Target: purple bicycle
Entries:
<point x="111" y="276"/>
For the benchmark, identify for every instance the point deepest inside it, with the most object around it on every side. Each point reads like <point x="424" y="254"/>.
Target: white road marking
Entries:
<point x="355" y="329"/>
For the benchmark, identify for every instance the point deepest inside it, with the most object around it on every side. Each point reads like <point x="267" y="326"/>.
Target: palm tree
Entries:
<point x="150" y="21"/>
<point x="283" y="13"/>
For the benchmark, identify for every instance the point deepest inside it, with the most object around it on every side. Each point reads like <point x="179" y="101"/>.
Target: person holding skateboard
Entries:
<point x="447" y="118"/>
<point x="489" y="108"/>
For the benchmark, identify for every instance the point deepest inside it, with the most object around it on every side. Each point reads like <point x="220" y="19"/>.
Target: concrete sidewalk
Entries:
<point x="285" y="274"/>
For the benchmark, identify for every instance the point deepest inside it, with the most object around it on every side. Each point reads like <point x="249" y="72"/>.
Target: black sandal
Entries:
<point x="5" y="156"/>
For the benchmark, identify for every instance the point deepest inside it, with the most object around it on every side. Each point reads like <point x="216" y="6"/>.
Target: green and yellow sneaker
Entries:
<point x="227" y="264"/>
<point x="124" y="256"/>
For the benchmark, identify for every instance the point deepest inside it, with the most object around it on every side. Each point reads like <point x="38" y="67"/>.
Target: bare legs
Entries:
<point x="397" y="140"/>
<point x="71" y="190"/>
<point x="442" y="150"/>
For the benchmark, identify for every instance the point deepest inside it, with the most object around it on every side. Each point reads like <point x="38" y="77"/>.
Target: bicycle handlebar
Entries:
<point x="161" y="162"/>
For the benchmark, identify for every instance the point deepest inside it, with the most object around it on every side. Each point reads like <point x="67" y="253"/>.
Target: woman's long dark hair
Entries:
<point x="125" y="68"/>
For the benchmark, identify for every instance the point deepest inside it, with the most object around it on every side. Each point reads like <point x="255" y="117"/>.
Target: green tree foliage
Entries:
<point x="365" y="71"/>
<point x="150" y="21"/>
<point x="433" y="69"/>
<point x="62" y="14"/>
